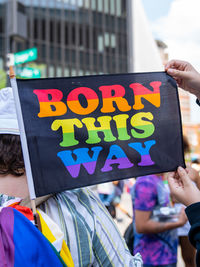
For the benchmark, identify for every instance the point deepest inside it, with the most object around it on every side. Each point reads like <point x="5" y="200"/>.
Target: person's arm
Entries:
<point x="185" y="75"/>
<point x="144" y="200"/>
<point x="145" y="225"/>
<point x="193" y="215"/>
<point x="187" y="193"/>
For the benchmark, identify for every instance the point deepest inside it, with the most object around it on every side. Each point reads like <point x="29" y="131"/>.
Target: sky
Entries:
<point x="177" y="23"/>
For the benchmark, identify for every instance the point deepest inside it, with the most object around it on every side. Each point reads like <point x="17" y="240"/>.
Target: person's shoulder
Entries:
<point x="148" y="179"/>
<point x="84" y="196"/>
<point x="146" y="184"/>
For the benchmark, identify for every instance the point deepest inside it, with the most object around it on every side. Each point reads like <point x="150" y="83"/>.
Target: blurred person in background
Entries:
<point x="110" y="194"/>
<point x="155" y="228"/>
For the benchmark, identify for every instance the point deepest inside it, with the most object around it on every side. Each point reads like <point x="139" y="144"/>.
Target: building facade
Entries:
<point x="73" y="37"/>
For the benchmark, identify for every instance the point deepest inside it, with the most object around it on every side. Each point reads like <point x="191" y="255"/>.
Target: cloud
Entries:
<point x="180" y="30"/>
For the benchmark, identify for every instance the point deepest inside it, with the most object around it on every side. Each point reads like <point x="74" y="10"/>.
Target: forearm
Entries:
<point x="193" y="214"/>
<point x="153" y="227"/>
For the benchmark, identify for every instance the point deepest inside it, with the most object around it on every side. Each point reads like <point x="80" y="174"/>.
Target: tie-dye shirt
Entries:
<point x="161" y="248"/>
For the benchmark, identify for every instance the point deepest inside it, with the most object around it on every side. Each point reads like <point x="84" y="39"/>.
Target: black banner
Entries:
<point x="88" y="130"/>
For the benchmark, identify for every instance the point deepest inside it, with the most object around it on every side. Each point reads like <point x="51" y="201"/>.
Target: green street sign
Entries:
<point x="28" y="73"/>
<point x="25" y="56"/>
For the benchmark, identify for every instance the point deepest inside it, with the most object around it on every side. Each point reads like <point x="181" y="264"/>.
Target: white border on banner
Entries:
<point x="23" y="137"/>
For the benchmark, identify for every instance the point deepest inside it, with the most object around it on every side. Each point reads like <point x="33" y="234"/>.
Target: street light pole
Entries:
<point x="130" y="34"/>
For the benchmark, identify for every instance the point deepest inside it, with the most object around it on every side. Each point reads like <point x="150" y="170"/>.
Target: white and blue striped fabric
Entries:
<point x="90" y="233"/>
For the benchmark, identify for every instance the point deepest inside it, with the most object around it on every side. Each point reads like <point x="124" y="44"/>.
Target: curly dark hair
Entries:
<point x="11" y="157"/>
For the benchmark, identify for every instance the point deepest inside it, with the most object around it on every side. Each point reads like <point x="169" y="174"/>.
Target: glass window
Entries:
<point x="73" y="2"/>
<point x="21" y="8"/>
<point x="93" y="2"/>
<point x="43" y="69"/>
<point x="43" y="30"/>
<point x="106" y="6"/>
<point x="87" y="3"/>
<point x="58" y="72"/>
<point x="81" y="36"/>
<point x="73" y="56"/>
<point x="51" y="71"/>
<point x="100" y="43"/>
<point x="100" y="66"/>
<point x="43" y="52"/>
<point x="80" y="3"/>
<point x="35" y="28"/>
<point x="87" y="59"/>
<point x="123" y="3"/>
<point x="95" y="59"/>
<point x="95" y="40"/>
<point x="73" y="34"/>
<point x="58" y="32"/>
<point x="107" y="40"/>
<point x="66" y="72"/>
<point x="87" y="37"/>
<point x="1" y="25"/>
<point x="118" y="7"/>
<point x="58" y="54"/>
<point x="112" y="7"/>
<point x="51" y="53"/>
<point x="87" y="72"/>
<point x="113" y="40"/>
<point x="100" y="5"/>
<point x="1" y="45"/>
<point x="81" y="57"/>
<point x="51" y="31"/>
<point x="73" y="72"/>
<point x="80" y="73"/>
<point x="66" y="34"/>
<point x="67" y="58"/>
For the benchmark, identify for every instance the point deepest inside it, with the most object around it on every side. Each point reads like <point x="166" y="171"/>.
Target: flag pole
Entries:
<point x="23" y="142"/>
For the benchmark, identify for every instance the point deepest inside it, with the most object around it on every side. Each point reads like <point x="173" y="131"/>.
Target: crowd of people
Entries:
<point x="90" y="235"/>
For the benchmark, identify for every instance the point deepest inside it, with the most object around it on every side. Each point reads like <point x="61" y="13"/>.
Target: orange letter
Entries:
<point x="108" y="98"/>
<point x="53" y="107"/>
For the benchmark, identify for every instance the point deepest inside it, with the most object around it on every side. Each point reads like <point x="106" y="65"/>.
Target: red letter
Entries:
<point x="142" y="92"/>
<point x="75" y="105"/>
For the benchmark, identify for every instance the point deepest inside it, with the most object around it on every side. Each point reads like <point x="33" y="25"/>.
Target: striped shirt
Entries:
<point x="90" y="233"/>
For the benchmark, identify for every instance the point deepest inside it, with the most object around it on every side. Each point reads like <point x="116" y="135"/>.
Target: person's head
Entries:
<point x="11" y="158"/>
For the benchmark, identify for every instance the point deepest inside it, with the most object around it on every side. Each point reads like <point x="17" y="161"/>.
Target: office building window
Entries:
<point x="100" y="5"/>
<point x="58" y="72"/>
<point x="112" y="7"/>
<point x="118" y="7"/>
<point x="100" y="43"/>
<point x="51" y="71"/>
